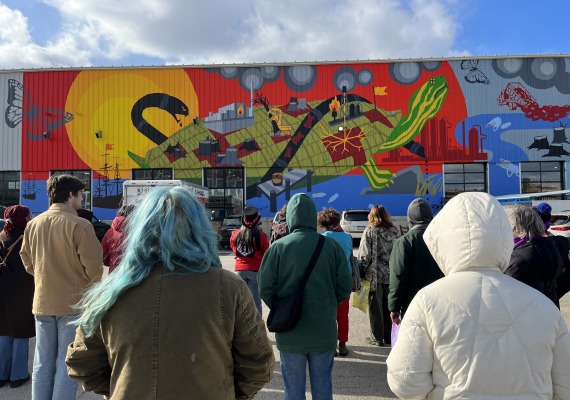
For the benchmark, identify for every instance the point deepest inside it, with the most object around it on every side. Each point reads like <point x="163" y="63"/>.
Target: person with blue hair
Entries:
<point x="169" y="322"/>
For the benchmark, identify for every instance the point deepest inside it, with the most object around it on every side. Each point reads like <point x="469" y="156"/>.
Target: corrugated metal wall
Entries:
<point x="11" y="96"/>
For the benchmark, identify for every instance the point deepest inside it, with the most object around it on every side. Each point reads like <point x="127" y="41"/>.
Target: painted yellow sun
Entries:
<point x="103" y="101"/>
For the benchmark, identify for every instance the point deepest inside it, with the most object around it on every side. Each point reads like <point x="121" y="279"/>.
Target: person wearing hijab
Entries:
<point x="478" y="333"/>
<point x="249" y="244"/>
<point x="411" y="265"/>
<point x="17" y="323"/>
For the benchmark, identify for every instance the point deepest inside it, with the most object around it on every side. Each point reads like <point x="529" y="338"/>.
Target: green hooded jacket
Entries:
<point x="329" y="284"/>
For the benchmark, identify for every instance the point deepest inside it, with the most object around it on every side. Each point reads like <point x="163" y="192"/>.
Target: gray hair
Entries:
<point x="526" y="223"/>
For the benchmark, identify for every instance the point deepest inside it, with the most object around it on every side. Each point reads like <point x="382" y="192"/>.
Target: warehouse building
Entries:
<point x="349" y="134"/>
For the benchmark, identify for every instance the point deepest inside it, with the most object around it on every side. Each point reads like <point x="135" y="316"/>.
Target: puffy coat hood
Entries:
<point x="301" y="213"/>
<point x="471" y="231"/>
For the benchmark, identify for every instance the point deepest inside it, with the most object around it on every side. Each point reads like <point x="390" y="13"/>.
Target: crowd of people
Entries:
<point x="473" y="291"/>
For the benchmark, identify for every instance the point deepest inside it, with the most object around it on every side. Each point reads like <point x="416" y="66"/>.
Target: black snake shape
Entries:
<point x="165" y="102"/>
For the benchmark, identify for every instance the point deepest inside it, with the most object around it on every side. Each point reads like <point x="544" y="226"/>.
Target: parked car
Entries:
<point x="100" y="227"/>
<point x="560" y="224"/>
<point x="229" y="224"/>
<point x="353" y="222"/>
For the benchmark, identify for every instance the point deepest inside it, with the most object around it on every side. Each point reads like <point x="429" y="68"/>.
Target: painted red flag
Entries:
<point x="108" y="146"/>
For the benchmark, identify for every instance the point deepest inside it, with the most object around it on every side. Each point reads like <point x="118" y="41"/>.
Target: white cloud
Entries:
<point x="224" y="31"/>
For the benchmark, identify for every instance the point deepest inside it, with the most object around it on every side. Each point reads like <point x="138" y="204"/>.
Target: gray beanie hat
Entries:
<point x="419" y="212"/>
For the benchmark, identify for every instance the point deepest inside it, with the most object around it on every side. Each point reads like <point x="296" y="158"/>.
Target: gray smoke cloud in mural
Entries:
<point x="407" y="73"/>
<point x="249" y="78"/>
<point x="227" y="72"/>
<point x="538" y="73"/>
<point x="347" y="76"/>
<point x="300" y="78"/>
<point x="365" y="77"/>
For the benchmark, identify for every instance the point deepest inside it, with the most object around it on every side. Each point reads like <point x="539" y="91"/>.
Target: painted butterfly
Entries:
<point x="39" y="121"/>
<point x="474" y="75"/>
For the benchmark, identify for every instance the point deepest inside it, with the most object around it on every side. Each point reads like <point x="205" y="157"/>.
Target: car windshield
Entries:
<point x="356" y="216"/>
<point x="234" y="221"/>
<point x="560" y="219"/>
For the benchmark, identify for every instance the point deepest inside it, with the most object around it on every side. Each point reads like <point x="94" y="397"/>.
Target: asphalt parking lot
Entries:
<point x="360" y="375"/>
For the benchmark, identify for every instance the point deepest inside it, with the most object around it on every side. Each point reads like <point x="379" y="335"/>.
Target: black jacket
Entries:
<point x="538" y="264"/>
<point x="16" y="292"/>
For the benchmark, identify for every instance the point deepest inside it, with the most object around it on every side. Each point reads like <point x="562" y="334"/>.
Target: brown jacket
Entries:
<point x="62" y="252"/>
<point x="196" y="336"/>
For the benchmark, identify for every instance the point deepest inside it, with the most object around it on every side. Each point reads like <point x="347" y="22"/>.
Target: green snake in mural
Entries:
<point x="424" y="104"/>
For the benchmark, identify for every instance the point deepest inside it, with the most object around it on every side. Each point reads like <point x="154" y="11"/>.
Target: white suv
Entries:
<point x="353" y="222"/>
<point x="560" y="224"/>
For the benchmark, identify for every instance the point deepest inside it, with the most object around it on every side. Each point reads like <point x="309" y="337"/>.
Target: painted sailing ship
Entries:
<point x="30" y="190"/>
<point x="108" y="191"/>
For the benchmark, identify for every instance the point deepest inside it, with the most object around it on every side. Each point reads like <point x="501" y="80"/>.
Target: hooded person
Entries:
<point x="313" y="340"/>
<point x="478" y="333"/>
<point x="412" y="267"/>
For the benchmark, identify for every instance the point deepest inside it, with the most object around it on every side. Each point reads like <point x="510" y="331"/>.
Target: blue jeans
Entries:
<point x="250" y="277"/>
<point x="294" y="369"/>
<point x="13" y="358"/>
<point x="50" y="379"/>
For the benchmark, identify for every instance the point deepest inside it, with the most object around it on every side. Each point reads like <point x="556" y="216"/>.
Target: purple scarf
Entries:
<point x="519" y="242"/>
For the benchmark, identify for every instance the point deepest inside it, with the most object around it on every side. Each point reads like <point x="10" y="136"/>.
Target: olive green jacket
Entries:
<point x="329" y="284"/>
<point x="196" y="336"/>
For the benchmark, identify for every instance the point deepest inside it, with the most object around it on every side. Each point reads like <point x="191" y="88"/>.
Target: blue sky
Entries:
<point x="63" y="33"/>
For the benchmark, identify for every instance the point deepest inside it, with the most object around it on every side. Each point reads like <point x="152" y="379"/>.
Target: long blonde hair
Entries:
<point x="378" y="217"/>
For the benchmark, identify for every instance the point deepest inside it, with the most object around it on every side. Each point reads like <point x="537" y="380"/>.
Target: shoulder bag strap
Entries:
<point x="11" y="248"/>
<point x="313" y="260"/>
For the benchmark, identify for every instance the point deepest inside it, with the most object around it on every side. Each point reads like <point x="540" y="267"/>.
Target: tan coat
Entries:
<point x="196" y="336"/>
<point x="62" y="252"/>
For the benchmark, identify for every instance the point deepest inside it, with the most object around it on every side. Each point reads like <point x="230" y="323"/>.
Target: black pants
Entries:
<point x="379" y="315"/>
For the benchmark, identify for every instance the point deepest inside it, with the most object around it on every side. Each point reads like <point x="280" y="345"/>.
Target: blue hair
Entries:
<point x="168" y="227"/>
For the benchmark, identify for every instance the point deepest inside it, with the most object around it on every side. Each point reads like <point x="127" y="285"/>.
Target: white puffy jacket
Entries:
<point x="477" y="333"/>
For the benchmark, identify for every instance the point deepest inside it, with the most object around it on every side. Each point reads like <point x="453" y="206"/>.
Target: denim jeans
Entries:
<point x="13" y="358"/>
<point x="250" y="277"/>
<point x="49" y="379"/>
<point x="294" y="369"/>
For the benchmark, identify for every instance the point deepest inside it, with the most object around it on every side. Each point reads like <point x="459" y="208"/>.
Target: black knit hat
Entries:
<point x="419" y="212"/>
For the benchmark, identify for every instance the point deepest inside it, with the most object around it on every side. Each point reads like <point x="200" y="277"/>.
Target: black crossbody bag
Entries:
<point x="286" y="311"/>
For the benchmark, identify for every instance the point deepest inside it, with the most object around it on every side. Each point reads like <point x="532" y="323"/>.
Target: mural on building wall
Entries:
<point x="350" y="135"/>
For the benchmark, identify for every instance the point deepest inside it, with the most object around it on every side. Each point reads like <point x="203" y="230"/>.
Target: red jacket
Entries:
<point x="250" y="263"/>
<point x="111" y="242"/>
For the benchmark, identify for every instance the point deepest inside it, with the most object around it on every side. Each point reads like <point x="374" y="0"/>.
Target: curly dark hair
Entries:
<point x="328" y="219"/>
<point x="60" y="186"/>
